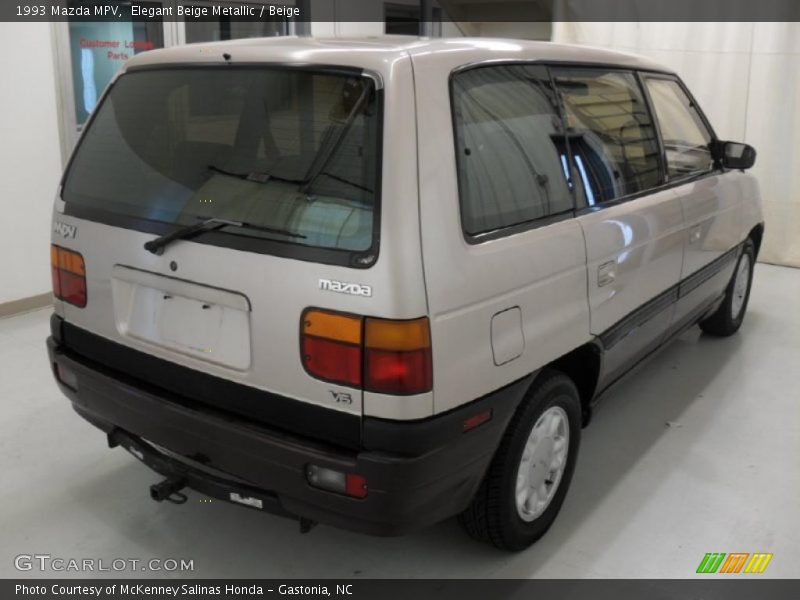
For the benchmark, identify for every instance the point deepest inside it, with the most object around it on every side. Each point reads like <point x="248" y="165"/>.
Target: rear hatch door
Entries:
<point x="291" y="158"/>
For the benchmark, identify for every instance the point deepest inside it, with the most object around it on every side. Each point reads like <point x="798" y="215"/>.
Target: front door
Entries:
<point x="633" y="234"/>
<point x="710" y="199"/>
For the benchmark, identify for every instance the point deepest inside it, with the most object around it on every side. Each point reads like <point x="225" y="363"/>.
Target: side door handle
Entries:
<point x="695" y="233"/>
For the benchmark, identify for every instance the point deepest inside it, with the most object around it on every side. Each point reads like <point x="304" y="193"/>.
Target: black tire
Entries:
<point x="493" y="516"/>
<point x="723" y="322"/>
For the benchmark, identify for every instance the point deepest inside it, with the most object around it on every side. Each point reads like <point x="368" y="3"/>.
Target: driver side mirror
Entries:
<point x="735" y="155"/>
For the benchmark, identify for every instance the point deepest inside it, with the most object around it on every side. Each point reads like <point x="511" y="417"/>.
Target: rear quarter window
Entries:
<point x="509" y="148"/>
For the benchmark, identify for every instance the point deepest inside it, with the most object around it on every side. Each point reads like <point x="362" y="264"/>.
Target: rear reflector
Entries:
<point x="349" y="484"/>
<point x="378" y="355"/>
<point x="68" y="272"/>
<point x="475" y="420"/>
<point x="355" y="485"/>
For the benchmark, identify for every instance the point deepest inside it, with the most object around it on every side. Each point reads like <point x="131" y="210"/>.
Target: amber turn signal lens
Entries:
<point x="385" y="334"/>
<point x="332" y="326"/>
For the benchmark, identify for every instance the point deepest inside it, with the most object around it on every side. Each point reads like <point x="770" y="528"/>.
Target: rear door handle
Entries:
<point x="695" y="233"/>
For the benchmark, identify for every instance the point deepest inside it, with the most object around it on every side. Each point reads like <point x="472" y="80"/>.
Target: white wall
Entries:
<point x="505" y="29"/>
<point x="364" y="18"/>
<point x="30" y="158"/>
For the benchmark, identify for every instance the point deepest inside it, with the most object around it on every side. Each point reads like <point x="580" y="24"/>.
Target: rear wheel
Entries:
<point x="729" y="316"/>
<point x="530" y="473"/>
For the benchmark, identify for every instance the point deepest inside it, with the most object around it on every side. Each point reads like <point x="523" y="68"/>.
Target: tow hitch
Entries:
<point x="180" y="475"/>
<point x="169" y="490"/>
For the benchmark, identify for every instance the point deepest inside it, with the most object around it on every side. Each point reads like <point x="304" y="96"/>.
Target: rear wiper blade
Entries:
<point x="255" y="177"/>
<point x="331" y="144"/>
<point x="346" y="181"/>
<point x="157" y="245"/>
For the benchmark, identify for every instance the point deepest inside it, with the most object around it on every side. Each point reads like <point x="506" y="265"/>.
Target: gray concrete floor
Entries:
<point x="698" y="452"/>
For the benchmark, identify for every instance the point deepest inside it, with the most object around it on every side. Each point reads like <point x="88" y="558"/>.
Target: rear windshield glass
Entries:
<point x="278" y="148"/>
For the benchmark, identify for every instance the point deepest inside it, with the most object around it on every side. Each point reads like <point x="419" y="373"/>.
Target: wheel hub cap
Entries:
<point x="542" y="465"/>
<point x="740" y="285"/>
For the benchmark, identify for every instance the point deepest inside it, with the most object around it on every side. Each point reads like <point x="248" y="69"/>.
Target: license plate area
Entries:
<point x="190" y="324"/>
<point x="203" y="322"/>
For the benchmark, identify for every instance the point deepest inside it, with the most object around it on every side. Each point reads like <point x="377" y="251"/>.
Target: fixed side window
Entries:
<point x="685" y="136"/>
<point x="509" y="148"/>
<point x="611" y="134"/>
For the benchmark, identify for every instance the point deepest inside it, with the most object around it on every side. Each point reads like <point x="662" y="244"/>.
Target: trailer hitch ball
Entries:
<point x="169" y="490"/>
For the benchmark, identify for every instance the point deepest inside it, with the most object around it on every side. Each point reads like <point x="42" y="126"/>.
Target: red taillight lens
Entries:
<point x="73" y="288"/>
<point x="391" y="372"/>
<point x="333" y="361"/>
<point x="398" y="356"/>
<point x="68" y="272"/>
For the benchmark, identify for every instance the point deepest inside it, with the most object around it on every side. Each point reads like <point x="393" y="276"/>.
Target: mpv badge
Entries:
<point x="65" y="230"/>
<point x="342" y="287"/>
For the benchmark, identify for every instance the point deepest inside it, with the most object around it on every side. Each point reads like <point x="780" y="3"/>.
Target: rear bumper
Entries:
<point x="405" y="491"/>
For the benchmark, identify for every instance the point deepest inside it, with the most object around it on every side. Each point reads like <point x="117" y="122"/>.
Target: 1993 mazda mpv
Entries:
<point x="379" y="283"/>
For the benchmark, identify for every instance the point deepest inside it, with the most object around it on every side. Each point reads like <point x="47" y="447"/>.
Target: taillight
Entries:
<point x="398" y="356"/>
<point x="331" y="346"/>
<point x="69" y="275"/>
<point x="378" y="355"/>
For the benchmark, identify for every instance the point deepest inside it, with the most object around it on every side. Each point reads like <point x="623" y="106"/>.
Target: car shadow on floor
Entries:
<point x="230" y="541"/>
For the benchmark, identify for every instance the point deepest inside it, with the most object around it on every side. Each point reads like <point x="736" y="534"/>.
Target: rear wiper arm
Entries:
<point x="255" y="177"/>
<point x="346" y="181"/>
<point x="157" y="245"/>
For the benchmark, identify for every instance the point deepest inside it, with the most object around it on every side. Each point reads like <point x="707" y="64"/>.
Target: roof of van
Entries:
<point x="378" y="53"/>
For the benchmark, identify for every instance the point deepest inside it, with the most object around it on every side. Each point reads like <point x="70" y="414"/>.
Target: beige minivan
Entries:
<point x="378" y="283"/>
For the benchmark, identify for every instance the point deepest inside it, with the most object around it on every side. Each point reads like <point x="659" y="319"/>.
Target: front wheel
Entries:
<point x="530" y="473"/>
<point x="729" y="316"/>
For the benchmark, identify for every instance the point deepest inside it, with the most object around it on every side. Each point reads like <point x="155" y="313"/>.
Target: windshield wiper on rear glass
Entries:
<point x="331" y="144"/>
<point x="255" y="177"/>
<point x="346" y="181"/>
<point x="157" y="245"/>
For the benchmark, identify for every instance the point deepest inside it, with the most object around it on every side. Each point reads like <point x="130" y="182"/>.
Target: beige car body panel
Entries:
<point x="499" y="310"/>
<point x="634" y="253"/>
<point x="540" y="273"/>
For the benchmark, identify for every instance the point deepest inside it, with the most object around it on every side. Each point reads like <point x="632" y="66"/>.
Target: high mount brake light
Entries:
<point x="69" y="275"/>
<point x="378" y="355"/>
